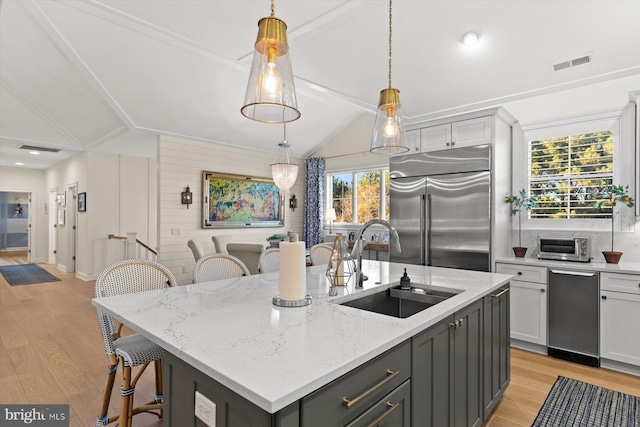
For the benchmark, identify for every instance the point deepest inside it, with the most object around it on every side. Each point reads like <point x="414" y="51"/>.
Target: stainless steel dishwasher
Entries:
<point x="574" y="316"/>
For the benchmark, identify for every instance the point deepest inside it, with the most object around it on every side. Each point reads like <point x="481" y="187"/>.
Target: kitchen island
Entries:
<point x="271" y="359"/>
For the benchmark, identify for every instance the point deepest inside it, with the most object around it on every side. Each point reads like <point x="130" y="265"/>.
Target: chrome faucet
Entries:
<point x="358" y="247"/>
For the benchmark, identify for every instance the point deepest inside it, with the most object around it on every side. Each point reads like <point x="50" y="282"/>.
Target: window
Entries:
<point x="370" y="200"/>
<point x="563" y="170"/>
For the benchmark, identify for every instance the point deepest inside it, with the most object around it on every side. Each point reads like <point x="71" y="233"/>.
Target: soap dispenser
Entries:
<point x="405" y="282"/>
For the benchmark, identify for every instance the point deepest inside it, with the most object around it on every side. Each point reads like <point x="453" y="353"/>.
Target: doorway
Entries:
<point x="15" y="227"/>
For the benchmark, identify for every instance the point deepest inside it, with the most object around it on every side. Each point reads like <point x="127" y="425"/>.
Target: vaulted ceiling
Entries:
<point x="111" y="75"/>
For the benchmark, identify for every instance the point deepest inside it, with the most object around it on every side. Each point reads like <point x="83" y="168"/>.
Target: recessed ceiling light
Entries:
<point x="19" y="163"/>
<point x="470" y="38"/>
<point x="34" y="152"/>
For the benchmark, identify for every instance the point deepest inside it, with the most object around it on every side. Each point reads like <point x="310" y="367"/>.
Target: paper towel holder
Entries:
<point x="287" y="303"/>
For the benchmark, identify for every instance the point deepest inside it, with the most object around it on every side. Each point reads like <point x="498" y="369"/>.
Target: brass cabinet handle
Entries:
<point x="499" y="294"/>
<point x="390" y="375"/>
<point x="390" y="408"/>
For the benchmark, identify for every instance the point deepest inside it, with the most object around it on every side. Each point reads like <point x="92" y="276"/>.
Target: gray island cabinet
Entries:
<point x="328" y="364"/>
<point x="452" y="374"/>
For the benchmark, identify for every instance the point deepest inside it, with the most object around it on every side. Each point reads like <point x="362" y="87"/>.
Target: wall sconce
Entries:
<point x="293" y="203"/>
<point x="187" y="197"/>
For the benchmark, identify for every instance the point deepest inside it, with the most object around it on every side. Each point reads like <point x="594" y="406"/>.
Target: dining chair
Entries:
<point x="196" y="248"/>
<point x="218" y="267"/>
<point x="221" y="241"/>
<point x="248" y="253"/>
<point x="127" y="277"/>
<point x="269" y="261"/>
<point x="320" y="254"/>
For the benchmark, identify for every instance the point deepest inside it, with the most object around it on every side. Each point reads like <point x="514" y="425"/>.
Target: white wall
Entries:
<point x="349" y="149"/>
<point x="121" y="197"/>
<point x="30" y="181"/>
<point x="181" y="163"/>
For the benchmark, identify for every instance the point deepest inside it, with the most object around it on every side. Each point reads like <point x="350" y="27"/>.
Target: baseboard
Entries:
<point x="534" y="348"/>
<point x="86" y="277"/>
<point x="14" y="249"/>
<point x="42" y="260"/>
<point x="620" y="367"/>
<point x="61" y="267"/>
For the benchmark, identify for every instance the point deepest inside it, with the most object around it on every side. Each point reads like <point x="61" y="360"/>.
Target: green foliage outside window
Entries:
<point x="367" y="196"/>
<point x="564" y="171"/>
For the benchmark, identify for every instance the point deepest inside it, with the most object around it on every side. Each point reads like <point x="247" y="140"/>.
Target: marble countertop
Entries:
<point x="622" y="267"/>
<point x="274" y="356"/>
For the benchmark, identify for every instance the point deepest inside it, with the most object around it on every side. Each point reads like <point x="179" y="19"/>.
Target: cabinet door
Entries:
<point x="466" y="133"/>
<point x="619" y="320"/>
<point x="496" y="357"/>
<point x="529" y="312"/>
<point x="413" y="141"/>
<point x="394" y="410"/>
<point x="432" y="376"/>
<point x="435" y="138"/>
<point x="467" y="367"/>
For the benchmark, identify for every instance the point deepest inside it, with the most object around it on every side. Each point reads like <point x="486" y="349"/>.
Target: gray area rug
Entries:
<point x="573" y="403"/>
<point x="26" y="274"/>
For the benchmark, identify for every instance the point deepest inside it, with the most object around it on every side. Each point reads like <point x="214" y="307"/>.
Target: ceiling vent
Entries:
<point x="572" y="63"/>
<point x="35" y="148"/>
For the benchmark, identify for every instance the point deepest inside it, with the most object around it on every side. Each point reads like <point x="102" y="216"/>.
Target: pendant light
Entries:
<point x="389" y="136"/>
<point x="284" y="170"/>
<point x="271" y="94"/>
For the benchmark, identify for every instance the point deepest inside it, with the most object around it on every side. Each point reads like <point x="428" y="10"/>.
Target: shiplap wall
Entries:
<point x="181" y="163"/>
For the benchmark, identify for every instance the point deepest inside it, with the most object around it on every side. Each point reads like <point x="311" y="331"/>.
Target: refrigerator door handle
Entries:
<point x="427" y="241"/>
<point x="423" y="210"/>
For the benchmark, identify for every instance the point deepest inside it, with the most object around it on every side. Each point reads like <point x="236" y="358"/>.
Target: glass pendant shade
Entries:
<point x="389" y="135"/>
<point x="284" y="171"/>
<point x="271" y="94"/>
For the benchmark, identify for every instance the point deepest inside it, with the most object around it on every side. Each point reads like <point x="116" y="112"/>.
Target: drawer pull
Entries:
<point x="502" y="292"/>
<point x="390" y="408"/>
<point x="390" y="375"/>
<point x="519" y="273"/>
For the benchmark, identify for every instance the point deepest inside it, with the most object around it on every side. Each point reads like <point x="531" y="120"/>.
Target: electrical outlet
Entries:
<point x="205" y="410"/>
<point x="176" y="231"/>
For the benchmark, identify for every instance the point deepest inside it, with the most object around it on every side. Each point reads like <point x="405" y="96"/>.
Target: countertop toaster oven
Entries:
<point x="564" y="248"/>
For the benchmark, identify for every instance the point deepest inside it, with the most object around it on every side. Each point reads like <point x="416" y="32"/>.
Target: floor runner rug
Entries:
<point x="26" y="274"/>
<point x="573" y="403"/>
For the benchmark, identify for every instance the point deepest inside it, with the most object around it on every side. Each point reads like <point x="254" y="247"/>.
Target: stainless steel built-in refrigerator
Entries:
<point x="440" y="204"/>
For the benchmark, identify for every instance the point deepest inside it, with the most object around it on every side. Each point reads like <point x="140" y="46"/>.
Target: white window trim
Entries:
<point x="354" y="173"/>
<point x="622" y="160"/>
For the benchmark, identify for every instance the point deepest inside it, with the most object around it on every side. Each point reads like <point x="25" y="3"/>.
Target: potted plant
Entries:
<point x="611" y="195"/>
<point x="275" y="239"/>
<point x="518" y="202"/>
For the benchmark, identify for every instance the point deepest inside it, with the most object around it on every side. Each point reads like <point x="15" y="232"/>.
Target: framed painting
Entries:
<point x="82" y="202"/>
<point x="239" y="201"/>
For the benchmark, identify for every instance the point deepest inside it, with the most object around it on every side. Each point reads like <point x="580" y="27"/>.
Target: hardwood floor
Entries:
<point x="13" y="257"/>
<point x="51" y="351"/>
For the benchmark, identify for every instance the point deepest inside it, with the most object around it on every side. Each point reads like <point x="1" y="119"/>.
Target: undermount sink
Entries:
<point x="401" y="303"/>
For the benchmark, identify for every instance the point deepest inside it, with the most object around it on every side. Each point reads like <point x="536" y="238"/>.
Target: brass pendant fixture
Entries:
<point x="389" y="135"/>
<point x="271" y="94"/>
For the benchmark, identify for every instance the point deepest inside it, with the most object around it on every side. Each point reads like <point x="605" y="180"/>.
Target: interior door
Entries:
<point x="406" y="212"/>
<point x="458" y="220"/>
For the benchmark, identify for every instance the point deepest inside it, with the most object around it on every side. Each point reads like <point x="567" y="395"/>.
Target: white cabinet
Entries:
<point x="528" y="302"/>
<point x="464" y="133"/>
<point x="620" y="317"/>
<point x="413" y="141"/>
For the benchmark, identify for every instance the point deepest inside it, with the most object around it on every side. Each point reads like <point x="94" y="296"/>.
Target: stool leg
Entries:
<point x="126" y="401"/>
<point x="106" y="395"/>
<point x="158" y="364"/>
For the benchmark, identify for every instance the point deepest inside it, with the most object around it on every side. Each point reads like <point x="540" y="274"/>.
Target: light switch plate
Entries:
<point x="205" y="410"/>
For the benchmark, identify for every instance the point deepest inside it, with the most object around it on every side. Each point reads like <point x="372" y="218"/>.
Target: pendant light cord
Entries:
<point x="272" y="9"/>
<point x="390" y="15"/>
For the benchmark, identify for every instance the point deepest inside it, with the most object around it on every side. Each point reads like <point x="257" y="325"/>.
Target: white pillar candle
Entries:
<point x="293" y="273"/>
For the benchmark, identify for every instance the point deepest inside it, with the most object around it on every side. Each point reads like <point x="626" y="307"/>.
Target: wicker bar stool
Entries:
<point x="321" y="253"/>
<point x="125" y="277"/>
<point x="269" y="260"/>
<point x="218" y="267"/>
